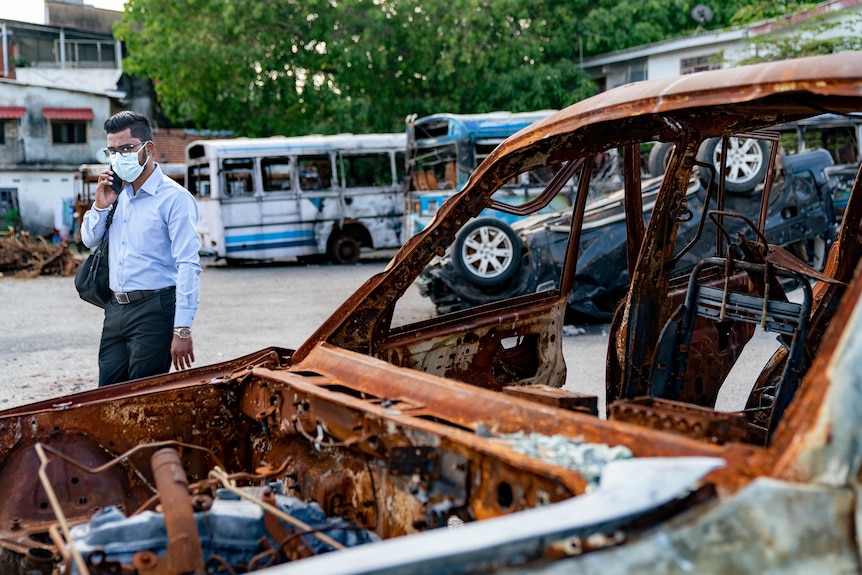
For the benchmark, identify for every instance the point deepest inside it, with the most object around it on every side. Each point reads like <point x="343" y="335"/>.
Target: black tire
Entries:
<point x="659" y="155"/>
<point x="343" y="249"/>
<point x="487" y="252"/>
<point x="747" y="163"/>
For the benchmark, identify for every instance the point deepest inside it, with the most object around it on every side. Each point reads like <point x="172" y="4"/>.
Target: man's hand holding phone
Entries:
<point x="109" y="187"/>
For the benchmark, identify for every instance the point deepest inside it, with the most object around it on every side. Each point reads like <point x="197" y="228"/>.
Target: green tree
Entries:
<point x="290" y="67"/>
<point x="221" y="64"/>
<point x="262" y="67"/>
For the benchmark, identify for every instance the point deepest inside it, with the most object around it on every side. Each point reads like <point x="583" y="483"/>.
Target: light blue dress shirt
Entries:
<point x="153" y="241"/>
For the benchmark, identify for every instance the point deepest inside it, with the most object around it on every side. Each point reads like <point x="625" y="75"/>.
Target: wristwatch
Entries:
<point x="183" y="332"/>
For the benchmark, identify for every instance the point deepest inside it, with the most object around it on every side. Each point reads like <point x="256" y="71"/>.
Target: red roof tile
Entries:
<point x="171" y="144"/>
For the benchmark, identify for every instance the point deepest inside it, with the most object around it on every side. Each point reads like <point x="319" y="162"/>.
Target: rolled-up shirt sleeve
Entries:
<point x="93" y="227"/>
<point x="185" y="248"/>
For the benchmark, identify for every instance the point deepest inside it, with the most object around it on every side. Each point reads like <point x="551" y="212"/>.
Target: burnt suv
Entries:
<point x="447" y="445"/>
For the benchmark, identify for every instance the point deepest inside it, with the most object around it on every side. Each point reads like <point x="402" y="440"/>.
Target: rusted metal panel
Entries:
<point x="556" y="397"/>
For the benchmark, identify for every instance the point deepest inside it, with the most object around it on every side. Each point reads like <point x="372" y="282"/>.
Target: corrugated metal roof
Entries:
<point x="68" y="113"/>
<point x="10" y="112"/>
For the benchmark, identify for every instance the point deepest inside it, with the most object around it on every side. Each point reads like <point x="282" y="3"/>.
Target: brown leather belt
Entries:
<point x="125" y="298"/>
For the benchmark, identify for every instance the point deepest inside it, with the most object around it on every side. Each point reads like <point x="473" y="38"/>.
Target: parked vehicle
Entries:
<point x="444" y="149"/>
<point x="306" y="196"/>
<point x="443" y="446"/>
<point x="482" y="267"/>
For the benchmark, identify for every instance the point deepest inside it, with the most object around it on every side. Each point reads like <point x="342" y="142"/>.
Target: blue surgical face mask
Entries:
<point x="127" y="167"/>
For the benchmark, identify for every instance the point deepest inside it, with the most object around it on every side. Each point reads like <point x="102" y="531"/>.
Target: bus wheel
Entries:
<point x="343" y="249"/>
<point x="487" y="252"/>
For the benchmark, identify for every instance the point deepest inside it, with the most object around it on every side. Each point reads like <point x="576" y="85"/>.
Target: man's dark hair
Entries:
<point x="138" y="125"/>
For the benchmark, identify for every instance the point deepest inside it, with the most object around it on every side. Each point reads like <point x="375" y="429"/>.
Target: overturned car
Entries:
<point x="446" y="446"/>
<point x="491" y="260"/>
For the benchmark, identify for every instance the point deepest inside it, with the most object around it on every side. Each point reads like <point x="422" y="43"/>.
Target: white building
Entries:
<point x="58" y="84"/>
<point x="710" y="50"/>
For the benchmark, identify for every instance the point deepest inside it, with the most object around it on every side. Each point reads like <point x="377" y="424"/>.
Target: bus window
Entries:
<point x="238" y="177"/>
<point x="276" y="174"/>
<point x="315" y="172"/>
<point x="199" y="180"/>
<point x="367" y="170"/>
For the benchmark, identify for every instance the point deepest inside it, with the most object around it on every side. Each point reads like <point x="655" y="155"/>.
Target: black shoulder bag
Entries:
<point x="91" y="279"/>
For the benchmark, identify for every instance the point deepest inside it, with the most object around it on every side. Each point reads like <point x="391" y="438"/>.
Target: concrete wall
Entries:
<point x="80" y="15"/>
<point x="44" y="198"/>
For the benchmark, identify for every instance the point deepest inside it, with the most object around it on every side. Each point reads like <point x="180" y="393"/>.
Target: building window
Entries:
<point x="700" y="63"/>
<point x="68" y="125"/>
<point x="69" y="132"/>
<point x="9" y="118"/>
<point x="87" y="54"/>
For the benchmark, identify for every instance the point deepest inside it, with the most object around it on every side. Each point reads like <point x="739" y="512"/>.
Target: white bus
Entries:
<point x="305" y="196"/>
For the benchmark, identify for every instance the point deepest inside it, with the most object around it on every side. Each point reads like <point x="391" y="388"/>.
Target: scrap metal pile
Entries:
<point x="24" y="255"/>
<point x="445" y="446"/>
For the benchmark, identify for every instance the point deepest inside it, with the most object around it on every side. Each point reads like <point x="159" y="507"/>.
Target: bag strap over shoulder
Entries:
<point x="108" y="223"/>
<point x="111" y="215"/>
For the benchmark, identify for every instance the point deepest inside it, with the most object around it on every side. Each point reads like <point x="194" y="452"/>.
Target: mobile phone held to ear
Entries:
<point x="117" y="183"/>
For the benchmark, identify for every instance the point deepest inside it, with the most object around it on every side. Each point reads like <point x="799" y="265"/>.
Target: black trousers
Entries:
<point x="136" y="338"/>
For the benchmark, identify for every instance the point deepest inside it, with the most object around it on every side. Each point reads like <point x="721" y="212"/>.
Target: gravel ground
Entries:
<point x="49" y="338"/>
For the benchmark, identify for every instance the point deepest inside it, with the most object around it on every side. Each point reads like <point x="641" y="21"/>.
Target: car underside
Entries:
<point x="800" y="217"/>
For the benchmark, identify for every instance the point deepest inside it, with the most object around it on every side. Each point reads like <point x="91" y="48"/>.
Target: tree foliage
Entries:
<point x="814" y="37"/>
<point x="262" y="67"/>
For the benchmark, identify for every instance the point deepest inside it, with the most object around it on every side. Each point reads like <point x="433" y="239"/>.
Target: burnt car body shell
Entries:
<point x="391" y="428"/>
<point x="800" y="209"/>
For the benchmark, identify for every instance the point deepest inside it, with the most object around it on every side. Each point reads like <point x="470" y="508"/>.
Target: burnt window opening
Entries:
<point x="238" y="175"/>
<point x="366" y="170"/>
<point x="276" y="174"/>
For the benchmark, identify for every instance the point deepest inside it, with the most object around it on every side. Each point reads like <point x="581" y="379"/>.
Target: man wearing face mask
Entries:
<point x="152" y="255"/>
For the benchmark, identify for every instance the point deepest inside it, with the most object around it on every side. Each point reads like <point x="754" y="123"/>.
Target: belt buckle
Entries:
<point x="122" y="298"/>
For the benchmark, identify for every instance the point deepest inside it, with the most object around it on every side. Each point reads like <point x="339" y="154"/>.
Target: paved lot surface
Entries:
<point x="49" y="338"/>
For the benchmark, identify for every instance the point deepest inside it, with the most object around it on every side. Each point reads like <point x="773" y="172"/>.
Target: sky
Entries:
<point x="34" y="10"/>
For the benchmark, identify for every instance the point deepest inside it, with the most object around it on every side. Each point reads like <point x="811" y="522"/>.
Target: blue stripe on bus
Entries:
<point x="275" y="240"/>
<point x="271" y="245"/>
<point x="261" y="237"/>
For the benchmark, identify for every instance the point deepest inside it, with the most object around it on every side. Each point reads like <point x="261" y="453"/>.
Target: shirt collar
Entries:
<point x="151" y="184"/>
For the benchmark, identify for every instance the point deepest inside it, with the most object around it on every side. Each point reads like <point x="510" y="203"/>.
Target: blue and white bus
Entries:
<point x="281" y="197"/>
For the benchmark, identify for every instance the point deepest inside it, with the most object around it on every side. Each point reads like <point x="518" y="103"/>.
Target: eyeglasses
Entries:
<point x="123" y="150"/>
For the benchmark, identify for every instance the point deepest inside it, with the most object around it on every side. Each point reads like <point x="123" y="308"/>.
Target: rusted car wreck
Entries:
<point x="436" y="447"/>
